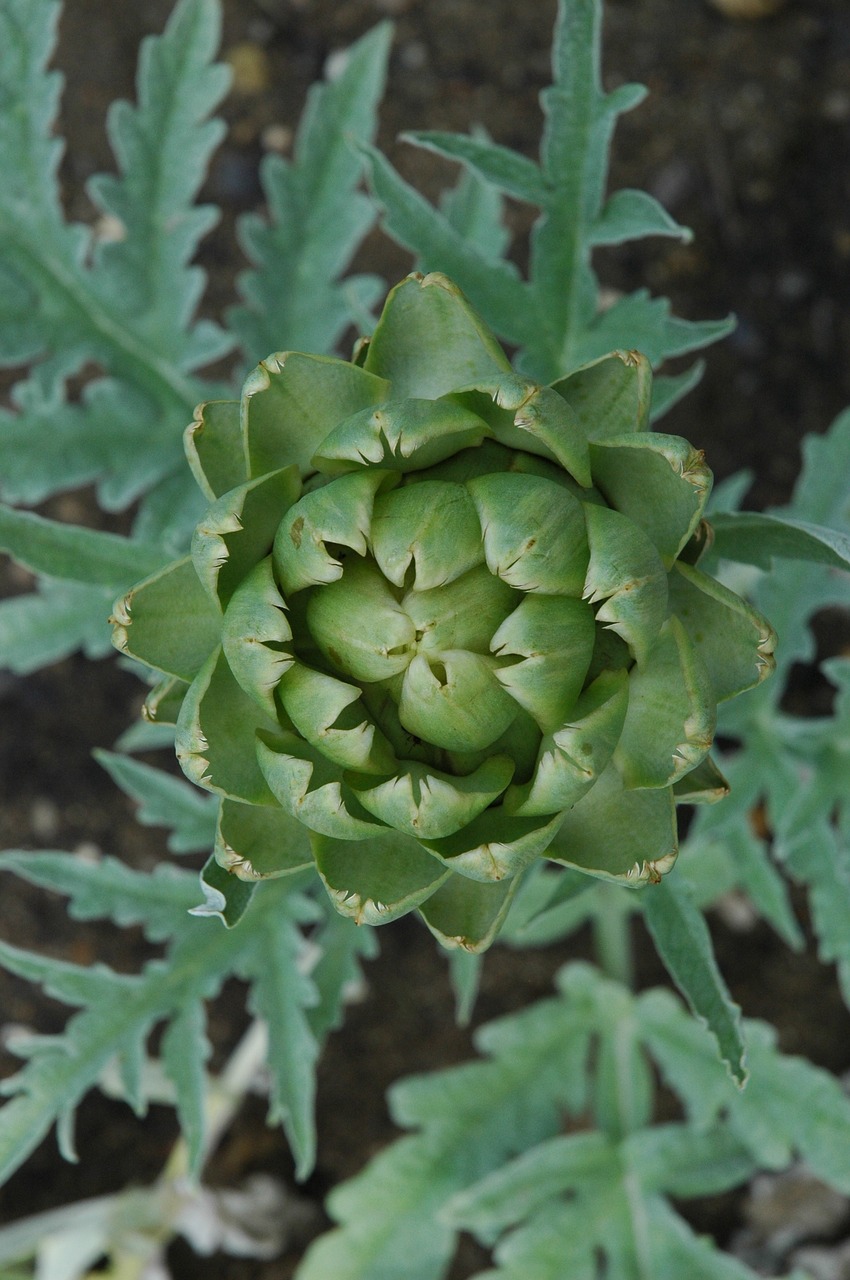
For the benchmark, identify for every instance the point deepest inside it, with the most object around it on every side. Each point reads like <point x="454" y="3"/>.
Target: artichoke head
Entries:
<point x="439" y="622"/>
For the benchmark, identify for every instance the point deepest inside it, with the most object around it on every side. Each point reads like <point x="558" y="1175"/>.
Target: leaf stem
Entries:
<point x="612" y="936"/>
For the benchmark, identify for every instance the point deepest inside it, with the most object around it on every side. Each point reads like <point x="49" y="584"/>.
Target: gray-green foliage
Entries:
<point x="795" y="767"/>
<point x="488" y="1156"/>
<point x="129" y="305"/>
<point x="119" y="1010"/>
<point x="554" y="317"/>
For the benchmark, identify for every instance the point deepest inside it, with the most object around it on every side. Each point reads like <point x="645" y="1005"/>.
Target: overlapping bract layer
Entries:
<point x="439" y="621"/>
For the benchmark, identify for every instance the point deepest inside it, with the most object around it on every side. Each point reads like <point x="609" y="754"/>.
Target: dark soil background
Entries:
<point x="746" y="139"/>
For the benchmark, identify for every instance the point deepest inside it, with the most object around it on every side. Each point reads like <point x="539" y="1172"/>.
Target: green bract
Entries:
<point x="439" y="621"/>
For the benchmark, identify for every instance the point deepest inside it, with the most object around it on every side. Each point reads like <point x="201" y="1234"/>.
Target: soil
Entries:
<point x="746" y="139"/>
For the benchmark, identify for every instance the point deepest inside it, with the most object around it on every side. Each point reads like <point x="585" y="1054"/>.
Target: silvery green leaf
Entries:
<point x="760" y="539"/>
<point x="72" y="292"/>
<point x="504" y="169"/>
<point x="317" y="218"/>
<point x="43" y="626"/>
<point x="475" y="208"/>
<point x="631" y="215"/>
<point x="661" y="333"/>
<point x="683" y="942"/>
<point x="337" y="974"/>
<point x="283" y="995"/>
<point x="184" y="1052"/>
<point x="119" y="1011"/>
<point x="468" y="1119"/>
<point x="165" y="801"/>
<point x="73" y="553"/>
<point x="494" y="287"/>
<point x="107" y="889"/>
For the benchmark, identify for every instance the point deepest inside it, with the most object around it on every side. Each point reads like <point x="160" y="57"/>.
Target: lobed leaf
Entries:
<point x="109" y="890"/>
<point x="165" y="801"/>
<point x="637" y="317"/>
<point x="185" y="1050"/>
<point x="793" y="770"/>
<point x="475" y="208"/>
<point x="471" y="1118"/>
<point x="337" y="974"/>
<point x="555" y="318"/>
<point x="557" y="1201"/>
<point x="127" y="306"/>
<point x="493" y="287"/>
<point x="120" y="1011"/>
<point x="507" y="170"/>
<point x="789" y="1107"/>
<point x="283" y="996"/>
<point x="317" y="218"/>
<point x="631" y="215"/>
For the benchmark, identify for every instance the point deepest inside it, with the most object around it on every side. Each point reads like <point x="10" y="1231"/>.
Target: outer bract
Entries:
<point x="439" y="622"/>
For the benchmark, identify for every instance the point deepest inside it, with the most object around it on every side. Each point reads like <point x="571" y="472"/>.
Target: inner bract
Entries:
<point x="456" y="611"/>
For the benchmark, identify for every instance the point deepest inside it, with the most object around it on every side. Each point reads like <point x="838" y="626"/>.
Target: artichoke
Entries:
<point x="439" y="622"/>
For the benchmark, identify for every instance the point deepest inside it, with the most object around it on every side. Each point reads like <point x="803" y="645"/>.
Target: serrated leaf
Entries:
<point x="50" y="445"/>
<point x="337" y="975"/>
<point x="317" y="217"/>
<point x="475" y="208"/>
<point x="127" y="306"/>
<point x="471" y="1118"/>
<point x="683" y="942"/>
<point x="794" y="1106"/>
<point x="578" y="1201"/>
<point x="185" y="1049"/>
<point x="162" y="146"/>
<point x="720" y="858"/>
<point x="821" y="497"/>
<point x="109" y="890"/>
<point x="789" y="1107"/>
<point x="165" y="801"/>
<point x="549" y="1169"/>
<point x="493" y="288"/>
<point x="822" y="863"/>
<point x="73" y="984"/>
<point x="795" y="767"/>
<point x="555" y="319"/>
<point x="638" y="319"/>
<point x="684" y="1161"/>
<point x="121" y="1010"/>
<point x="283" y="995"/>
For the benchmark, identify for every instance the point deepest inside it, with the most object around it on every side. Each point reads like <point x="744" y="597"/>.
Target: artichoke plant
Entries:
<point x="439" y="622"/>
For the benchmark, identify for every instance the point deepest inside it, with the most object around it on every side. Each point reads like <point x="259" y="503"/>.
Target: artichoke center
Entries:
<point x="431" y="614"/>
<point x="416" y="617"/>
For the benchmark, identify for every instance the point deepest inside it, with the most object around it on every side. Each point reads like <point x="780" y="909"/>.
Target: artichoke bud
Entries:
<point x="439" y="622"/>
